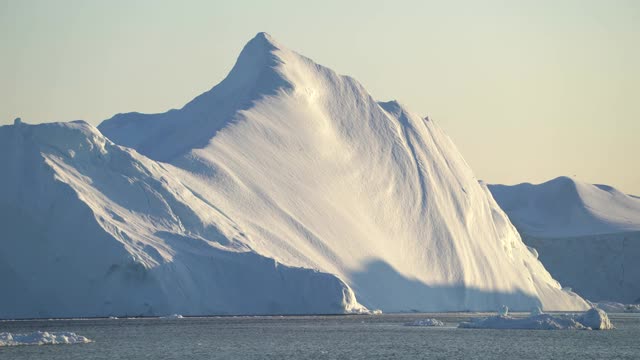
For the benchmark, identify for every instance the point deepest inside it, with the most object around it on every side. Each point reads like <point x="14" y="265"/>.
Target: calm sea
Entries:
<point x="321" y="337"/>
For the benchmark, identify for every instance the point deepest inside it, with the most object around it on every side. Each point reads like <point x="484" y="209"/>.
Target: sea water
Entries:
<point x="321" y="337"/>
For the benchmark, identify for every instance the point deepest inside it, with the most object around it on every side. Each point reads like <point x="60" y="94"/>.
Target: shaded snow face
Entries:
<point x="317" y="174"/>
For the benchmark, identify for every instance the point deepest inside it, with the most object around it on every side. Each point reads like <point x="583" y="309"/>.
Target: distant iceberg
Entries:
<point x="594" y="319"/>
<point x="616" y="307"/>
<point x="42" y="338"/>
<point x="172" y="316"/>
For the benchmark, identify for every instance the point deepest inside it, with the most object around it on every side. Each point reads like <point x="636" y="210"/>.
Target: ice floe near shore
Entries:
<point x="425" y="322"/>
<point x="42" y="338"/>
<point x="594" y="319"/>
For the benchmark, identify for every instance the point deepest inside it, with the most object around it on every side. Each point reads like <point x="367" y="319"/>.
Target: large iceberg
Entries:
<point x="285" y="189"/>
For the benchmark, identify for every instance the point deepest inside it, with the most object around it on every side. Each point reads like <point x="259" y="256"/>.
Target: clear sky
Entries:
<point x="528" y="90"/>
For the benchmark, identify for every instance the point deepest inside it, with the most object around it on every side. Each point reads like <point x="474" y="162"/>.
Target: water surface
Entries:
<point x="321" y="337"/>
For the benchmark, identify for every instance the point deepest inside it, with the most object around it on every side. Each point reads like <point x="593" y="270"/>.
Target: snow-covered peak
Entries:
<point x="263" y="68"/>
<point x="566" y="207"/>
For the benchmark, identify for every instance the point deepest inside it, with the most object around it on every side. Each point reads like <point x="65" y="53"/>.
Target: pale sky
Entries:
<point x="528" y="90"/>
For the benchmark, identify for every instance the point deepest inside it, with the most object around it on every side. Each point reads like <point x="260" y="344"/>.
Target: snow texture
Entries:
<point x="41" y="338"/>
<point x="594" y="319"/>
<point x="587" y="236"/>
<point x="285" y="189"/>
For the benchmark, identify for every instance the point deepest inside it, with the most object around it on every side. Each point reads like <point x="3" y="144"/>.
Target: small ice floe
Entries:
<point x="425" y="322"/>
<point x="376" y="312"/>
<point x="594" y="319"/>
<point x="42" y="338"/>
<point x="172" y="316"/>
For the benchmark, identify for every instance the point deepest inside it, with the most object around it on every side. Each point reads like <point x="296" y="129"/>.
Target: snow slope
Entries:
<point x="90" y="228"/>
<point x="588" y="236"/>
<point x="317" y="174"/>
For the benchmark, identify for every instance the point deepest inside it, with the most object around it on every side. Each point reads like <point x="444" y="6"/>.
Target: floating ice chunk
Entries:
<point x="596" y="319"/>
<point x="537" y="322"/>
<point x="593" y="319"/>
<point x="172" y="316"/>
<point x="42" y="338"/>
<point x="425" y="322"/>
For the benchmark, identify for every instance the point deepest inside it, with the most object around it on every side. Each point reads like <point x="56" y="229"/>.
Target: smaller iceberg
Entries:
<point x="172" y="316"/>
<point x="594" y="319"/>
<point x="42" y="338"/>
<point x="425" y="322"/>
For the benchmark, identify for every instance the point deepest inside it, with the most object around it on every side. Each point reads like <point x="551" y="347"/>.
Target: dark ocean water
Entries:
<point x="321" y="337"/>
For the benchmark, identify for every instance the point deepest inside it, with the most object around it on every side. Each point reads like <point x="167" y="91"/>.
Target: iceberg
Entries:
<point x="285" y="189"/>
<point x="42" y="338"/>
<point x="616" y="307"/>
<point x="586" y="235"/>
<point x="594" y="319"/>
<point x="172" y="317"/>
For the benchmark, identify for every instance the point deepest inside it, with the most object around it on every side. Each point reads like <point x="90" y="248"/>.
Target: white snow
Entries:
<point x="587" y="236"/>
<point x="425" y="322"/>
<point x="284" y="189"/>
<point x="41" y="338"/>
<point x="594" y="319"/>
